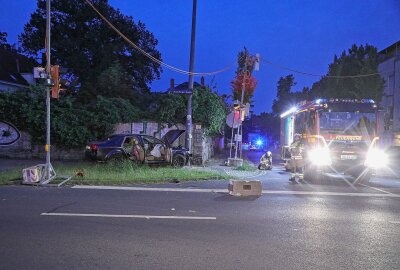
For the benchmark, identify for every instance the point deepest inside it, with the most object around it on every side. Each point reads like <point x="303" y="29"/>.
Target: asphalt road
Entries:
<point x="291" y="226"/>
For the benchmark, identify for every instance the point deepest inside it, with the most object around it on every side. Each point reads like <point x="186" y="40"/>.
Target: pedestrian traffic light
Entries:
<point x="56" y="78"/>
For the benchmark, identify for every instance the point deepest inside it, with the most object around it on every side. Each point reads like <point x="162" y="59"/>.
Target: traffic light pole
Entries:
<point x="47" y="176"/>
<point x="191" y="81"/>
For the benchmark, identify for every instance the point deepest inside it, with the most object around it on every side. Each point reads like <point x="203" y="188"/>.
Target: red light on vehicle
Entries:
<point x="93" y="147"/>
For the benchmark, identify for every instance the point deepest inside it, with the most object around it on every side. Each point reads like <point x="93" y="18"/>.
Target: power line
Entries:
<point x="173" y="68"/>
<point x="317" y="75"/>
<point x="152" y="58"/>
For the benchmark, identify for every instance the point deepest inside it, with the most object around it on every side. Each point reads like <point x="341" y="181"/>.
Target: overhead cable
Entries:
<point x="317" y="75"/>
<point x="152" y="58"/>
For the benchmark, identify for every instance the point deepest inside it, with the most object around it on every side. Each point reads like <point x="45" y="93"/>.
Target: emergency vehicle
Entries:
<point x="340" y="136"/>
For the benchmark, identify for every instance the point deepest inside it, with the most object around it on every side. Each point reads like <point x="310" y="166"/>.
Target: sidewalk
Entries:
<point x="217" y="164"/>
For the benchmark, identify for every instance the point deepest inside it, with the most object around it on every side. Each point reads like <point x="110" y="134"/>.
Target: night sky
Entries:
<point x="299" y="34"/>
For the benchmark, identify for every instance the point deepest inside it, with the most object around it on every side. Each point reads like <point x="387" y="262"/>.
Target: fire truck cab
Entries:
<point x="340" y="136"/>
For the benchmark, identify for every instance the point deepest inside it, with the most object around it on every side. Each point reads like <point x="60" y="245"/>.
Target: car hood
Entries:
<point x="171" y="136"/>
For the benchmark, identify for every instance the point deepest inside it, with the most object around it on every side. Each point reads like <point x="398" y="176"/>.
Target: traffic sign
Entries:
<point x="233" y="119"/>
<point x="181" y="91"/>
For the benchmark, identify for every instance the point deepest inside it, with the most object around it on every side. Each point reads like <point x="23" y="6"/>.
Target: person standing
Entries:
<point x="297" y="159"/>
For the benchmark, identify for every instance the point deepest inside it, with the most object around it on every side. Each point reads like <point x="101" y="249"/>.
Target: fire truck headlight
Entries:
<point x="376" y="158"/>
<point x="320" y="156"/>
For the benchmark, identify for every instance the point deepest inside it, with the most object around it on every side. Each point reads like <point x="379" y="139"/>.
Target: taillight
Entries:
<point x="93" y="147"/>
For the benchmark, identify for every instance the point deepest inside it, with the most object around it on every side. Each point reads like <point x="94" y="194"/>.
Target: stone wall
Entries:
<point x="23" y="149"/>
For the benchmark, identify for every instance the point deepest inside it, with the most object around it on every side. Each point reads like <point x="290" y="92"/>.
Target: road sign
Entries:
<point x="238" y="137"/>
<point x="233" y="119"/>
<point x="181" y="91"/>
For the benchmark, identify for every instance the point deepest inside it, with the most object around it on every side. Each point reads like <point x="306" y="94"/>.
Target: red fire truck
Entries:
<point x="340" y="136"/>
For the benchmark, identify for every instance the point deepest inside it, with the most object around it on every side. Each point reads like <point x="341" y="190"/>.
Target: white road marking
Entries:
<point x="151" y="189"/>
<point x="328" y="193"/>
<point x="378" y="189"/>
<point x="394" y="222"/>
<point x="276" y="192"/>
<point x="126" y="216"/>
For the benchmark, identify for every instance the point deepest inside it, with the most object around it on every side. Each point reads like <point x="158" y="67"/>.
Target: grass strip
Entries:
<point x="246" y="166"/>
<point x="117" y="174"/>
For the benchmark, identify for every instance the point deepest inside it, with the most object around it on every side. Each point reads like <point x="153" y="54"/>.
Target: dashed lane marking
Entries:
<point x="272" y="192"/>
<point x="127" y="216"/>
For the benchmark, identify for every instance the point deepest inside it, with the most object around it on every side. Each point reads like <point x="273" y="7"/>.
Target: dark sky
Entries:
<point x="299" y="34"/>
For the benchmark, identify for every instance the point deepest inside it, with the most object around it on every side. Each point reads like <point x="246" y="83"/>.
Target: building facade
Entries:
<point x="389" y="68"/>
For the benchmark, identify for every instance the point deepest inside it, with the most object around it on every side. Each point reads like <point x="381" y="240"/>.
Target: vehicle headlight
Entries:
<point x="376" y="158"/>
<point x="320" y="156"/>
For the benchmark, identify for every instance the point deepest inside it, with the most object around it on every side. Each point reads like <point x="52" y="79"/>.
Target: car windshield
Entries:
<point x="349" y="123"/>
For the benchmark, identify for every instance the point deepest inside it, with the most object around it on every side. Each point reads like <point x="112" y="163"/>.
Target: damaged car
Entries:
<point x="141" y="149"/>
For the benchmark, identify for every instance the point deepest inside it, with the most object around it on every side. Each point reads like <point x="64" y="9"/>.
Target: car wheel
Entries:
<point x="178" y="161"/>
<point x="115" y="158"/>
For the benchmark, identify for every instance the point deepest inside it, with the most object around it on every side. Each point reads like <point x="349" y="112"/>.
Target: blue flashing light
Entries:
<point x="259" y="142"/>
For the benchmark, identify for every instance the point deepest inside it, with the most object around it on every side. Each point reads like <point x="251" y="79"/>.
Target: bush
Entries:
<point x="72" y="123"/>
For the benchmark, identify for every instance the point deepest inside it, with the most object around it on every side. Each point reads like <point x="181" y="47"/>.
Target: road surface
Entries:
<point x="198" y="225"/>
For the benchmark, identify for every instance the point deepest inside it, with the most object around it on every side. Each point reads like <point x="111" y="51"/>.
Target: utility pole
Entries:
<point x="191" y="81"/>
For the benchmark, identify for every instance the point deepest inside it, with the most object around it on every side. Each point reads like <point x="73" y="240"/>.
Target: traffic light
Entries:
<point x="56" y="78"/>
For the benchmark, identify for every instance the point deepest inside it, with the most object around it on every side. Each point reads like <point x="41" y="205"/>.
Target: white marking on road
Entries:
<point x="207" y="190"/>
<point x="378" y="189"/>
<point x="328" y="193"/>
<point x="127" y="216"/>
<point x="394" y="222"/>
<point x="276" y="192"/>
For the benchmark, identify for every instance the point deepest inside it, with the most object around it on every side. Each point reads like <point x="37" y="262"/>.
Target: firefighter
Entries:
<point x="296" y="158"/>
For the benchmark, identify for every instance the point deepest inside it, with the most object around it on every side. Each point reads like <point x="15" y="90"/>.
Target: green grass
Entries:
<point x="117" y="174"/>
<point x="246" y="166"/>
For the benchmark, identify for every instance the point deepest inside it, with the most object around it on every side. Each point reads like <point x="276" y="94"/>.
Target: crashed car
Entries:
<point x="142" y="149"/>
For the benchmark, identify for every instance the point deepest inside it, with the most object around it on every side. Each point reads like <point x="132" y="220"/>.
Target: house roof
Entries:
<point x="12" y="65"/>
<point x="395" y="47"/>
<point x="183" y="86"/>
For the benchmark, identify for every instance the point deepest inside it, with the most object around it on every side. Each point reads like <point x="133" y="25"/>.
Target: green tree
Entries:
<point x="284" y="96"/>
<point x="71" y="125"/>
<point x="209" y="110"/>
<point x="357" y="61"/>
<point x="4" y="43"/>
<point x="168" y="108"/>
<point x="88" y="47"/>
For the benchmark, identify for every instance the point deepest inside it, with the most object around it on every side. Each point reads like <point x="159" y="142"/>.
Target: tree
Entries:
<point x="284" y="97"/>
<point x="209" y="110"/>
<point x="168" y="108"/>
<point x="244" y="71"/>
<point x="4" y="43"/>
<point x="88" y="47"/>
<point x="71" y="125"/>
<point x="357" y="61"/>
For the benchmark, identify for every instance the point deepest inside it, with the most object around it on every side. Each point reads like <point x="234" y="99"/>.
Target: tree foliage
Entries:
<point x="244" y="72"/>
<point x="357" y="61"/>
<point x="168" y="108"/>
<point x="4" y="43"/>
<point x="285" y="98"/>
<point x="71" y="125"/>
<point x="88" y="47"/>
<point x="209" y="109"/>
